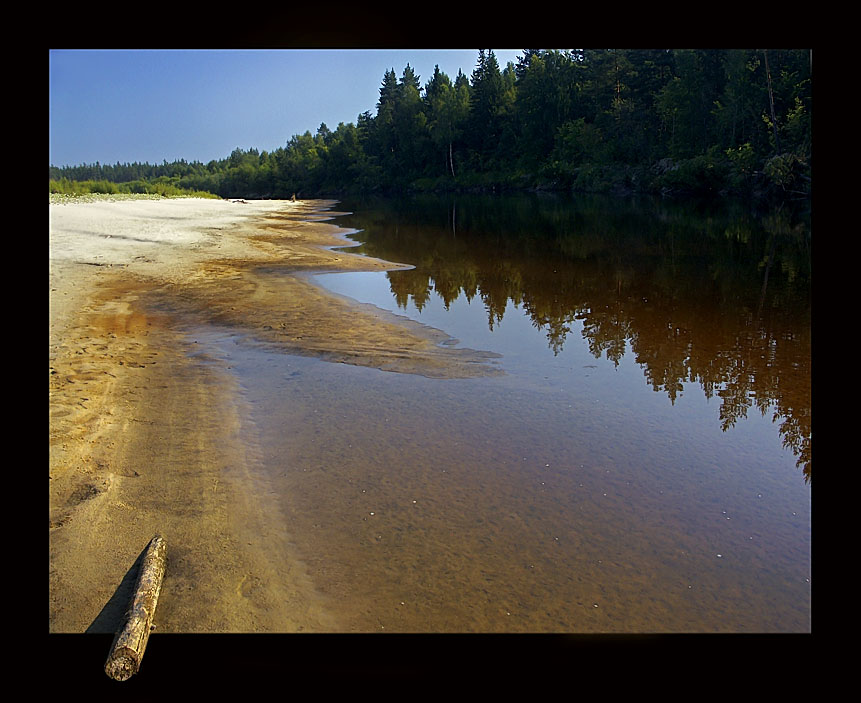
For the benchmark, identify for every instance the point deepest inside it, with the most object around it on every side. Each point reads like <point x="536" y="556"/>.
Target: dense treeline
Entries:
<point x="162" y="185"/>
<point x="640" y="120"/>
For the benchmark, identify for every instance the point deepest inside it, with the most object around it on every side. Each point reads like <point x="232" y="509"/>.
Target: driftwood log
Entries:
<point x="128" y="647"/>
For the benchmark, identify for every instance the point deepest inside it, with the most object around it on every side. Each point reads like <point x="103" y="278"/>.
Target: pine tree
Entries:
<point x="486" y="99"/>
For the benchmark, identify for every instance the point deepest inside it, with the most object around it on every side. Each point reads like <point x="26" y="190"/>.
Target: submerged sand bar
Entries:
<point x="148" y="435"/>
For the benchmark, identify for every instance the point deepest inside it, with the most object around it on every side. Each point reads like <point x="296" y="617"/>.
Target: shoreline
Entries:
<point x="149" y="435"/>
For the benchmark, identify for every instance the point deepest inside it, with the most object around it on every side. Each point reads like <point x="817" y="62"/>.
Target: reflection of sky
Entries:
<point x="653" y="486"/>
<point x="619" y="397"/>
<point x="466" y="321"/>
<point x="643" y="494"/>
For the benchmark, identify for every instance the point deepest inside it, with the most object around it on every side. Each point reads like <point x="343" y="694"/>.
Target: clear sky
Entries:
<point x="153" y="105"/>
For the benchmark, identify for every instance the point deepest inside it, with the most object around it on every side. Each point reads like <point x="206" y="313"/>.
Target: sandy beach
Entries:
<point x="148" y="435"/>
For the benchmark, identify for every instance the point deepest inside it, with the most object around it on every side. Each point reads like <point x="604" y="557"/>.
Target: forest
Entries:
<point x="674" y="122"/>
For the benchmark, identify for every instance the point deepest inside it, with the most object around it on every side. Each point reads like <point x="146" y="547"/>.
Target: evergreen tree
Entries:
<point x="547" y="97"/>
<point x="410" y="126"/>
<point x="439" y="101"/>
<point x="447" y="108"/>
<point x="486" y="101"/>
<point x="671" y="120"/>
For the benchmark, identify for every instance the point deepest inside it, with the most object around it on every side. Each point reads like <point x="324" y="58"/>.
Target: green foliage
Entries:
<point x="742" y="158"/>
<point x="704" y="174"/>
<point x="162" y="188"/>
<point x="673" y="121"/>
<point x="577" y="142"/>
<point x="788" y="172"/>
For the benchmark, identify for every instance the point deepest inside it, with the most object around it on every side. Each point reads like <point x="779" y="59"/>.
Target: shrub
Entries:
<point x="700" y="175"/>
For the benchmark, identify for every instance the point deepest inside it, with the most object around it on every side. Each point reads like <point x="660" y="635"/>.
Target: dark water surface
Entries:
<point x="642" y="466"/>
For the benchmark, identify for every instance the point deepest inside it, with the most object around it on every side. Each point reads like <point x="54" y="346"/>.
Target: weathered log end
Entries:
<point x="131" y="640"/>
<point x="122" y="664"/>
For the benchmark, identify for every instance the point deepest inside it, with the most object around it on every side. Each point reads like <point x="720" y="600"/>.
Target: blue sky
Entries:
<point x="148" y="106"/>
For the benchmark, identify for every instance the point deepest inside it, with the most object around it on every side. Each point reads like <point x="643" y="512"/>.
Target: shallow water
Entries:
<point x="620" y="477"/>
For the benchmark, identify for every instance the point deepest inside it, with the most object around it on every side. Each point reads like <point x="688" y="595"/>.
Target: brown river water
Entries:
<point x="641" y="466"/>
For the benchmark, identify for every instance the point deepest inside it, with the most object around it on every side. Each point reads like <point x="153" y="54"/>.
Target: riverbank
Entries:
<point x="149" y="432"/>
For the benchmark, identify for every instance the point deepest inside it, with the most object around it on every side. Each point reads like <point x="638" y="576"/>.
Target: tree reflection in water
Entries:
<point x="720" y="298"/>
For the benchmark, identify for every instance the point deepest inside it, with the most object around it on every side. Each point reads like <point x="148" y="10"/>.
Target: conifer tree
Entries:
<point x="486" y="99"/>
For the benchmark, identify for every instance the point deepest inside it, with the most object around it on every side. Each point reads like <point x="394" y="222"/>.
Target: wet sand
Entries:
<point x="150" y="435"/>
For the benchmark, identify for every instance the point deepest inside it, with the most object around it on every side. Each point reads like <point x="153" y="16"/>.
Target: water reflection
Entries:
<point x="696" y="295"/>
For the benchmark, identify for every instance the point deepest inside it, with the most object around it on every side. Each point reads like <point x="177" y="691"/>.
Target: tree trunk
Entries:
<point x="771" y="103"/>
<point x="129" y="644"/>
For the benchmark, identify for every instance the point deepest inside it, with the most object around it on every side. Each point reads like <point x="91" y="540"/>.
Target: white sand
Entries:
<point x="148" y="236"/>
<point x="120" y="232"/>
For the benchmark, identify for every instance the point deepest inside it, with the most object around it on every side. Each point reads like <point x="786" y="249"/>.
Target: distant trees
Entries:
<point x="655" y="120"/>
<point x="162" y="186"/>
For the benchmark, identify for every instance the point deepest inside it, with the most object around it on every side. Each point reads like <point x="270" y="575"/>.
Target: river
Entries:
<point x="643" y="464"/>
